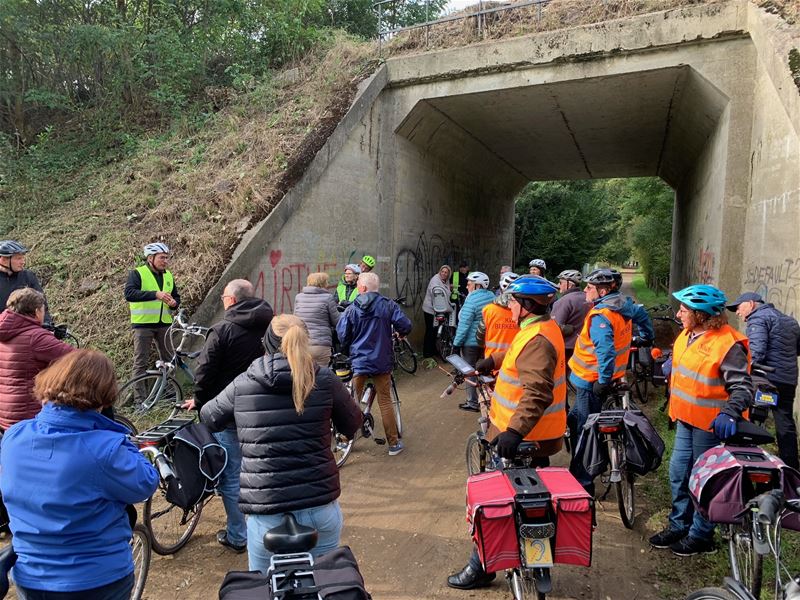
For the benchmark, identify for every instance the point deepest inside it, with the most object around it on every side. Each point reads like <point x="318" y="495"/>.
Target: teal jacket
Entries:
<point x="470" y="316"/>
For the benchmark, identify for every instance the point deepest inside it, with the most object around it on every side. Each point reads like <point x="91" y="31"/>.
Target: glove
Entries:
<point x="457" y="350"/>
<point x="507" y="444"/>
<point x="485" y="365"/>
<point x="601" y="390"/>
<point x="724" y="426"/>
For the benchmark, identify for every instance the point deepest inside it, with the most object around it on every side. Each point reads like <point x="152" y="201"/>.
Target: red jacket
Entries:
<point x="25" y="349"/>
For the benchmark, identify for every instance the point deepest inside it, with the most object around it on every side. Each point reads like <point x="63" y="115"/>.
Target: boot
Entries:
<point x="470" y="578"/>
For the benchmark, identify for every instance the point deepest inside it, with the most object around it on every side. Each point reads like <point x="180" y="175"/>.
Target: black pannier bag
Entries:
<point x="591" y="450"/>
<point x="335" y="573"/>
<point x="643" y="446"/>
<point x="198" y="460"/>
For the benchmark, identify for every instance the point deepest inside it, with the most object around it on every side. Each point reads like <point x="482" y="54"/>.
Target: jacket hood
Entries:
<point x="12" y="324"/>
<point x="366" y="302"/>
<point x="764" y="306"/>
<point x="616" y="302"/>
<point x="272" y="371"/>
<point x="250" y="314"/>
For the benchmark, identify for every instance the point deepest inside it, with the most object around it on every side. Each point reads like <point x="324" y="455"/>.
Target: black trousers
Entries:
<point x="785" y="425"/>
<point x="429" y="344"/>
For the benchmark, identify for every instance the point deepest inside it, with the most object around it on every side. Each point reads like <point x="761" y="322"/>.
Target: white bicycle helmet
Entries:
<point x="479" y="278"/>
<point x="571" y="275"/>
<point x="156" y="248"/>
<point x="354" y="268"/>
<point x="506" y="279"/>
<point x="538" y="262"/>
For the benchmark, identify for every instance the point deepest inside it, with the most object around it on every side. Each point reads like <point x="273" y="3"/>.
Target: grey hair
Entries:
<point x="370" y="280"/>
<point x="241" y="289"/>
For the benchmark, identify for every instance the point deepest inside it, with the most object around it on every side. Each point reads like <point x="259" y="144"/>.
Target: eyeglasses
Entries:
<point x="226" y="296"/>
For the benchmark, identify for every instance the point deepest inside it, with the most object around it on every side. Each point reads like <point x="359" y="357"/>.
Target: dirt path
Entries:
<point x="404" y="519"/>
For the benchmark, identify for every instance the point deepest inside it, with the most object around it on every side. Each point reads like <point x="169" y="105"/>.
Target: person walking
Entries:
<point x="465" y="341"/>
<point x="775" y="342"/>
<point x="317" y="307"/>
<point x="436" y="300"/>
<point x="151" y="292"/>
<point x="230" y="347"/>
<point x="710" y="388"/>
<point x="282" y="407"/>
<point x="14" y="275"/>
<point x="365" y="333"/>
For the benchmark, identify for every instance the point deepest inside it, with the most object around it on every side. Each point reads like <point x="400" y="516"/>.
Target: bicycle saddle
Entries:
<point x="290" y="537"/>
<point x="750" y="434"/>
<point x="526" y="449"/>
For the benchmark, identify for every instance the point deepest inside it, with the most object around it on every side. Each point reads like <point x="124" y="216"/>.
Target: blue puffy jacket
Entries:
<point x="365" y="332"/>
<point x="67" y="476"/>
<point x="775" y="342"/>
<point x="470" y="316"/>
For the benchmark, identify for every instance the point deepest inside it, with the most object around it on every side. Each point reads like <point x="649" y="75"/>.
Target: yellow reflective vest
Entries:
<point x="152" y="311"/>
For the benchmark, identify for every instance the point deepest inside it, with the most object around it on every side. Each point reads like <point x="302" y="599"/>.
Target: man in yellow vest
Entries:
<point x="529" y="400"/>
<point x="151" y="292"/>
<point x="710" y="390"/>
<point x="347" y="290"/>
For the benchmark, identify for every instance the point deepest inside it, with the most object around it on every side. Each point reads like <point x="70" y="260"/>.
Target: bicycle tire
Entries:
<point x="476" y="455"/>
<point x="142" y="550"/>
<point x="746" y="564"/>
<point x="712" y="594"/>
<point x="523" y="586"/>
<point x="340" y="447"/>
<point x="444" y="342"/>
<point x="162" y="396"/>
<point x="127" y="423"/>
<point x="641" y="379"/>
<point x="626" y="499"/>
<point x="398" y="419"/>
<point x="404" y="357"/>
<point x="169" y="526"/>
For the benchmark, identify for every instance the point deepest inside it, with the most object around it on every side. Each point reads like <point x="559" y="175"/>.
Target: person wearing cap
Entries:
<point x="570" y="310"/>
<point x="529" y="399"/>
<point x="14" y="275"/>
<point x="601" y="352"/>
<point x="346" y="290"/>
<point x="436" y="300"/>
<point x="367" y="264"/>
<point x="710" y="389"/>
<point x="151" y="293"/>
<point x="774" y="342"/>
<point x="465" y="340"/>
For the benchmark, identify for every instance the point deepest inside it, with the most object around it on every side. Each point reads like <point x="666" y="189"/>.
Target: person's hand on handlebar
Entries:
<point x="507" y="443"/>
<point x="485" y="365"/>
<point x="190" y="404"/>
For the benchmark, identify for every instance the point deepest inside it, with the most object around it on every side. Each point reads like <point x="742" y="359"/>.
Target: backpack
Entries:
<point x="198" y="461"/>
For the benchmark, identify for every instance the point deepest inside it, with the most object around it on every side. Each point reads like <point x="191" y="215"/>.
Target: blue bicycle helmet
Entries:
<point x="701" y="297"/>
<point x="532" y="285"/>
<point x="12" y="247"/>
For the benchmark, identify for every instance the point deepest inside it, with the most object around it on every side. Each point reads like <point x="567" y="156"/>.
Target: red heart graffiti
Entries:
<point x="275" y="257"/>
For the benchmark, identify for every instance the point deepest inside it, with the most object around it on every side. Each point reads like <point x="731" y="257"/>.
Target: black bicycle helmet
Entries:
<point x="12" y="247"/>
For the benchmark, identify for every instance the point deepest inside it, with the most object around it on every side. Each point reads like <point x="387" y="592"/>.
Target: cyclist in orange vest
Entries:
<point x="601" y="352"/>
<point x="529" y="400"/>
<point x="497" y="329"/>
<point x="710" y="389"/>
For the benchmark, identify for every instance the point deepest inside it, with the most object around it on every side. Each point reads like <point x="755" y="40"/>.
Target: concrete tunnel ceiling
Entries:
<point x="639" y="124"/>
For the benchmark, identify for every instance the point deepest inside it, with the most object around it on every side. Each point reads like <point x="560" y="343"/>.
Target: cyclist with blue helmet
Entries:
<point x="14" y="275"/>
<point x="601" y="351"/>
<point x="710" y="389"/>
<point x="529" y="400"/>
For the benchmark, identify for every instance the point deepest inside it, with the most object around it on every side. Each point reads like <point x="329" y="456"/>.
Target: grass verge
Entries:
<point x="644" y="294"/>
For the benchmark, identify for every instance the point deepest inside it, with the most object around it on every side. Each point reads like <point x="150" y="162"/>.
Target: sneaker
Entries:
<point x="222" y="538"/>
<point x="664" y="539"/>
<point x="469" y="407"/>
<point x="396" y="449"/>
<point x="690" y="546"/>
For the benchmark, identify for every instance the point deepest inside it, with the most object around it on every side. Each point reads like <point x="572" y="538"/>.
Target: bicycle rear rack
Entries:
<point x="162" y="431"/>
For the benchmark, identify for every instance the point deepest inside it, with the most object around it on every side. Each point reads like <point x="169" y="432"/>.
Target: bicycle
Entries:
<point x="142" y="551"/>
<point x="63" y="333"/>
<point x="404" y="356"/>
<point x="169" y="525"/>
<point x="340" y="445"/>
<point x="160" y="385"/>
<point x="640" y="368"/>
<point x="764" y="513"/>
<point x="444" y="318"/>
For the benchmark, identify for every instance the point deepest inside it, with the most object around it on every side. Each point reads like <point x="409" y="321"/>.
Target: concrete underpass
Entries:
<point x="424" y="167"/>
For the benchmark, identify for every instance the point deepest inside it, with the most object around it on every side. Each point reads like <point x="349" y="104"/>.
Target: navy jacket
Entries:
<point x="775" y="342"/>
<point x="365" y="332"/>
<point x="67" y="476"/>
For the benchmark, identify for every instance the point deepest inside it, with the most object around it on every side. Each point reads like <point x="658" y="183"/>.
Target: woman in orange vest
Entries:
<point x="498" y="328"/>
<point x="710" y="389"/>
<point x="529" y="400"/>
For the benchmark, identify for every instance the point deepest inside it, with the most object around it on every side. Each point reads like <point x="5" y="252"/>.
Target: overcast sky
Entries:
<point x="458" y="4"/>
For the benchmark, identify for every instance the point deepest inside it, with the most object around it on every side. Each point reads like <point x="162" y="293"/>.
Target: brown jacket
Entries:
<point x="536" y="364"/>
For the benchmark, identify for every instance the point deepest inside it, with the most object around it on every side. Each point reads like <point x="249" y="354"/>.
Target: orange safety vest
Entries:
<point x="584" y="360"/>
<point x="508" y="389"/>
<point x="500" y="329"/>
<point x="697" y="389"/>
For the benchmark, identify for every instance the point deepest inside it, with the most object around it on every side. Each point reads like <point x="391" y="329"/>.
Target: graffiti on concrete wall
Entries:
<point x="777" y="282"/>
<point x="701" y="267"/>
<point x="416" y="264"/>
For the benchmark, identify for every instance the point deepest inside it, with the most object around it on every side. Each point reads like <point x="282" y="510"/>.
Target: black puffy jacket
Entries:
<point x="775" y="342"/>
<point x="287" y="463"/>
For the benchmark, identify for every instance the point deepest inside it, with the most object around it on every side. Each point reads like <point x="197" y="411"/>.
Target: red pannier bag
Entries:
<point x="573" y="508"/>
<point x="490" y="514"/>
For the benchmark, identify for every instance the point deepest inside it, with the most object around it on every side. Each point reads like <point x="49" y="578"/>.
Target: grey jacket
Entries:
<point x="317" y="307"/>
<point x="570" y="312"/>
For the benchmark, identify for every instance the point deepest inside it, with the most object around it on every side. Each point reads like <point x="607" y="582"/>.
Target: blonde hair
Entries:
<point x="319" y="280"/>
<point x="369" y="280"/>
<point x="295" y="345"/>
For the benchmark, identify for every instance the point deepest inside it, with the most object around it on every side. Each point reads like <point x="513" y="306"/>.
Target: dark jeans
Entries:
<point x="117" y="590"/>
<point x="429" y="344"/>
<point x="472" y="354"/>
<point x="785" y="426"/>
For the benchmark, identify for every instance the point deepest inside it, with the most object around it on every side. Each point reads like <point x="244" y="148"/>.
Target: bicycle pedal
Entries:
<point x="380" y="441"/>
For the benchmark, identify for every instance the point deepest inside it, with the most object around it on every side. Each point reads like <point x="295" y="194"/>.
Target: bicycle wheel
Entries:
<point x="476" y="455"/>
<point x="127" y="423"/>
<point x="444" y="342"/>
<point x="626" y="498"/>
<point x="396" y="408"/>
<point x="141" y="549"/>
<point x="340" y="446"/>
<point x="404" y="357"/>
<point x="523" y="586"/>
<point x="712" y="594"/>
<point x="149" y="399"/>
<point x="169" y="526"/>
<point x="641" y="379"/>
<point x="746" y="563"/>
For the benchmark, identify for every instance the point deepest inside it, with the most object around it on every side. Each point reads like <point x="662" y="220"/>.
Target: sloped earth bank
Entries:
<point x="405" y="520"/>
